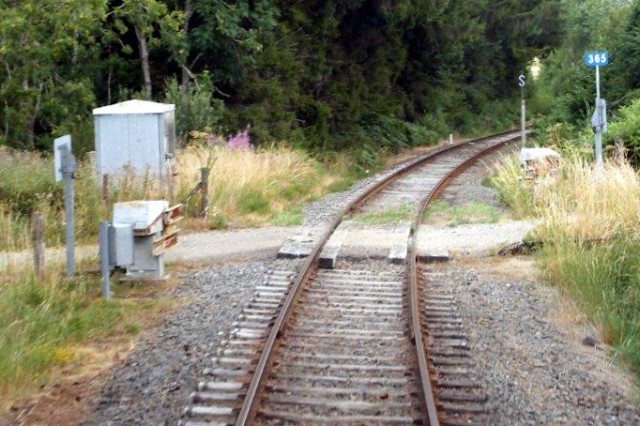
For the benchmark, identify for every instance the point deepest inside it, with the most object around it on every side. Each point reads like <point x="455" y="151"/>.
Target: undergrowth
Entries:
<point x="444" y="214"/>
<point x="246" y="188"/>
<point x="43" y="322"/>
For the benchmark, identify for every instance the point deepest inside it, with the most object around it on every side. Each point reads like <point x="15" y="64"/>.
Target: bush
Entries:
<point x="626" y="128"/>
<point x="196" y="108"/>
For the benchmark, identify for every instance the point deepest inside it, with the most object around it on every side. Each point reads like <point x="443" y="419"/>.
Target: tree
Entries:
<point x="566" y="87"/>
<point x="47" y="49"/>
<point x="154" y="26"/>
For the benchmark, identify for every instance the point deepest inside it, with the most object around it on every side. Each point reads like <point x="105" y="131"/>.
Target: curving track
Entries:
<point x="361" y="343"/>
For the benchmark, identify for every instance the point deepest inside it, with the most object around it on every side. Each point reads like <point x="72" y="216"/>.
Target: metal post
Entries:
<point x="38" y="243"/>
<point x="523" y="122"/>
<point x="105" y="268"/>
<point x="597" y="82"/>
<point x="68" y="169"/>
<point x="204" y="191"/>
<point x="522" y="82"/>
<point x="105" y="189"/>
<point x="598" y="141"/>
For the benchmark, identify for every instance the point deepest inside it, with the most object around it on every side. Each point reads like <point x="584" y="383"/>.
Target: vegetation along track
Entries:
<point x="360" y="341"/>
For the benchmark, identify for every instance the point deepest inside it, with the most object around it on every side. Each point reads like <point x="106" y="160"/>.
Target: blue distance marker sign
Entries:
<point x="596" y="59"/>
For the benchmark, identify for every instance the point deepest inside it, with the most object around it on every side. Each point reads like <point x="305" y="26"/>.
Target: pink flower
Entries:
<point x="240" y="141"/>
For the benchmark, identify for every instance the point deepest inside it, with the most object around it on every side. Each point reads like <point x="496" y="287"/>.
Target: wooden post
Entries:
<point x="37" y="222"/>
<point x="204" y="191"/>
<point x="105" y="189"/>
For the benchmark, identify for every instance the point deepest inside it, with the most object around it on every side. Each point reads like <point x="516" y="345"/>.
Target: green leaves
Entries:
<point x="45" y="48"/>
<point x="309" y="72"/>
<point x="626" y="128"/>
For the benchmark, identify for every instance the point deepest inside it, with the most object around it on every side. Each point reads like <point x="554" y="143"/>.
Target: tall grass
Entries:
<point x="247" y="188"/>
<point x="251" y="187"/>
<point x="14" y="230"/>
<point x="42" y="322"/>
<point x="592" y="243"/>
<point x="514" y="190"/>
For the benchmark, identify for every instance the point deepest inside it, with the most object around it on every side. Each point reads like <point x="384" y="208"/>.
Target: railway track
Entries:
<point x="356" y="342"/>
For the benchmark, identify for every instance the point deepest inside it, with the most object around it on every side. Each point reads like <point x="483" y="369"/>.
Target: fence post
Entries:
<point x="105" y="267"/>
<point x="37" y="222"/>
<point x="105" y="189"/>
<point x="204" y="191"/>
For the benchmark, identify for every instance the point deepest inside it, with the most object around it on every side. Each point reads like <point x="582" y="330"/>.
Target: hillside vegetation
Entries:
<point x="322" y="75"/>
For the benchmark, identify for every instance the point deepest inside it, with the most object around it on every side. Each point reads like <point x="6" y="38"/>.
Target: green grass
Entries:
<point x="444" y="214"/>
<point x="251" y="201"/>
<point x="514" y="190"/>
<point x="290" y="217"/>
<point x="605" y="280"/>
<point x="43" y="322"/>
<point x="391" y="216"/>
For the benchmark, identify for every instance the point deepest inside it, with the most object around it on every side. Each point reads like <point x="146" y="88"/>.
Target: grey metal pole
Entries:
<point x="599" y="162"/>
<point x="598" y="141"/>
<point x="105" y="268"/>
<point x="204" y="191"/>
<point x="38" y="243"/>
<point x="68" y="169"/>
<point x="523" y="123"/>
<point x="598" y="82"/>
<point x="522" y="82"/>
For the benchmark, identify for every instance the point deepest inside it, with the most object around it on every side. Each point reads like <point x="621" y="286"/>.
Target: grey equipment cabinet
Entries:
<point x="153" y="233"/>
<point x="136" y="135"/>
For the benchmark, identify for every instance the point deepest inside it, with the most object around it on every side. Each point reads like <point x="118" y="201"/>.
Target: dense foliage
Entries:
<point x="323" y="74"/>
<point x="566" y="90"/>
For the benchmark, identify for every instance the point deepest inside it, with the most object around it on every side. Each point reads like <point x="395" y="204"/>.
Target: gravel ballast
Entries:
<point x="152" y="386"/>
<point x="534" y="371"/>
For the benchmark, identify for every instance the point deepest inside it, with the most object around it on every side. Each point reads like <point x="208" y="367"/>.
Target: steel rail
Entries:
<point x="249" y="407"/>
<point x="417" y="162"/>
<point x="416" y="326"/>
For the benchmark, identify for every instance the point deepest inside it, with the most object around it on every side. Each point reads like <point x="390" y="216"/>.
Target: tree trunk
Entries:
<point x="31" y="120"/>
<point x="188" y="12"/>
<point x="144" y="60"/>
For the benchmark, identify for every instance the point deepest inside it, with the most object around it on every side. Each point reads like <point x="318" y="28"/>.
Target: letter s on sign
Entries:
<point x="521" y="80"/>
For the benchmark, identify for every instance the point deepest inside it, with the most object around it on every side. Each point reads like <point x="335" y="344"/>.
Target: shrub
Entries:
<point x="626" y="128"/>
<point x="196" y="108"/>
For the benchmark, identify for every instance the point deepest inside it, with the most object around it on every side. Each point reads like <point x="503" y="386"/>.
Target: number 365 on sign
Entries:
<point x="596" y="59"/>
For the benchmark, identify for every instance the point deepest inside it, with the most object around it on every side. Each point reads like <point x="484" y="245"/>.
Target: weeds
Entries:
<point x="246" y="188"/>
<point x="290" y="217"/>
<point x="391" y="216"/>
<point x="514" y="190"/>
<point x="443" y="214"/>
<point x="42" y="322"/>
